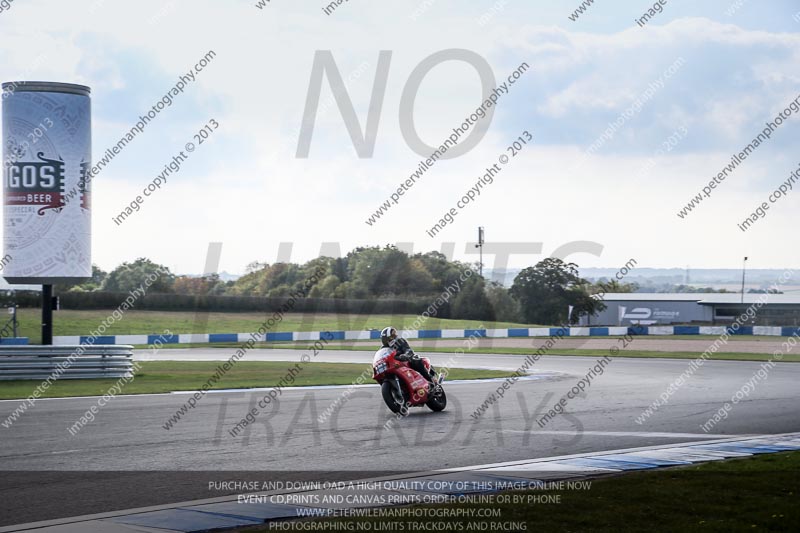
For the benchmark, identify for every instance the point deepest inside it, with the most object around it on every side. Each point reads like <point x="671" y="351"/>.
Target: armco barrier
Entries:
<point x="63" y="362"/>
<point x="289" y="336"/>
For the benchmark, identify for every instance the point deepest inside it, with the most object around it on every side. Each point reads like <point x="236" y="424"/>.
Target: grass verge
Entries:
<point x="75" y="322"/>
<point x="167" y="376"/>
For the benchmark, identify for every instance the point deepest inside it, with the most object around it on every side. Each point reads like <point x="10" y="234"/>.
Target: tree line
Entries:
<point x="540" y="294"/>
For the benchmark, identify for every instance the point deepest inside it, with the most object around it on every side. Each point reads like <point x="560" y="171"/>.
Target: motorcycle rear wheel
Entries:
<point x="393" y="397"/>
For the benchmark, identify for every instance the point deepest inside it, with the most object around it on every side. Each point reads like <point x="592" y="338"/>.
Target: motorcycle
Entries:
<point x="402" y="386"/>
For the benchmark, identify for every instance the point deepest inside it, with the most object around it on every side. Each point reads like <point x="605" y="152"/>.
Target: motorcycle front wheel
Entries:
<point x="438" y="401"/>
<point x="393" y="397"/>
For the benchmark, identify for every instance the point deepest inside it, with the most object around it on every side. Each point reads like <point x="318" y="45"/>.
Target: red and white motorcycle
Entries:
<point x="402" y="386"/>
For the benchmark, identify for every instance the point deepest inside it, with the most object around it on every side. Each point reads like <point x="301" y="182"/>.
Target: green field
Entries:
<point x="72" y="322"/>
<point x="753" y="494"/>
<point x="167" y="376"/>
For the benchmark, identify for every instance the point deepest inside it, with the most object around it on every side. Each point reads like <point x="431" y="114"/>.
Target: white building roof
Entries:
<point x="703" y="298"/>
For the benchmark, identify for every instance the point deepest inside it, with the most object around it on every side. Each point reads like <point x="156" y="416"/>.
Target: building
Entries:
<point x="695" y="308"/>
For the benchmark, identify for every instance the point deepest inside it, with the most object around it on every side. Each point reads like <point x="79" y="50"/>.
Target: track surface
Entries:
<point x="128" y="433"/>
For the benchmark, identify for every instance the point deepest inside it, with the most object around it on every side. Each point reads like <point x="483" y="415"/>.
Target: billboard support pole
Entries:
<point x="47" y="314"/>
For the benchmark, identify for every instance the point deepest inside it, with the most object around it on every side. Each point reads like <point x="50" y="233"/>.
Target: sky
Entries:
<point x="693" y="86"/>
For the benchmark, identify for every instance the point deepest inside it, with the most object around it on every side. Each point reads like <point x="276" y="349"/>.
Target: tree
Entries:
<point x="255" y="266"/>
<point x="364" y="273"/>
<point x="604" y="285"/>
<point x="130" y="276"/>
<point x="246" y="285"/>
<point x="763" y="291"/>
<point x="692" y="289"/>
<point x="348" y="289"/>
<point x="417" y="279"/>
<point x="441" y="270"/>
<point x="546" y="290"/>
<point x="98" y="275"/>
<point x="471" y="301"/>
<point x="382" y="272"/>
<point x="326" y="288"/>
<point x="579" y="296"/>
<point x="277" y="279"/>
<point x="197" y="285"/>
<point x="506" y="308"/>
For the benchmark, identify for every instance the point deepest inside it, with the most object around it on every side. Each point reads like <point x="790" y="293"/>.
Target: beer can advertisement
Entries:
<point x="46" y="188"/>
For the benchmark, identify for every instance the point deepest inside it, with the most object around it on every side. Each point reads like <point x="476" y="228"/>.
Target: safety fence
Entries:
<point x="66" y="362"/>
<point x="289" y="336"/>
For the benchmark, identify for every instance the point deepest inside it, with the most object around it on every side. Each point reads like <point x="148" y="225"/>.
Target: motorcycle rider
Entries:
<point x="390" y="339"/>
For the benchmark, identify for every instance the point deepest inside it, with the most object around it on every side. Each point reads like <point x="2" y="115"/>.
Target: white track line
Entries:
<point x="642" y="434"/>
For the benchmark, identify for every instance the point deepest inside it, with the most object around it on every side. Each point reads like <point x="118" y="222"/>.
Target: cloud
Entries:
<point x="732" y="81"/>
<point x="246" y="188"/>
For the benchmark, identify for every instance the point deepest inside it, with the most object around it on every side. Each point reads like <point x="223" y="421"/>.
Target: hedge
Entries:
<point x="185" y="302"/>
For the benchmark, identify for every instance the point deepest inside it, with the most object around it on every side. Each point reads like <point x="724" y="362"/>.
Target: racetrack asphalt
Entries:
<point x="48" y="473"/>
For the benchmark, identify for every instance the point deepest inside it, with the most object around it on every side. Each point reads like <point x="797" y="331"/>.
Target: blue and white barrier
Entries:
<point x="14" y="341"/>
<point x="288" y="336"/>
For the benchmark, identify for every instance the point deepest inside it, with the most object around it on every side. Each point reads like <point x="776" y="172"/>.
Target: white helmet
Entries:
<point x="388" y="334"/>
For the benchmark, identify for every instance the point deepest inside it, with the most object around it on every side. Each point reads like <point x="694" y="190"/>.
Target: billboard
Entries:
<point x="46" y="193"/>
